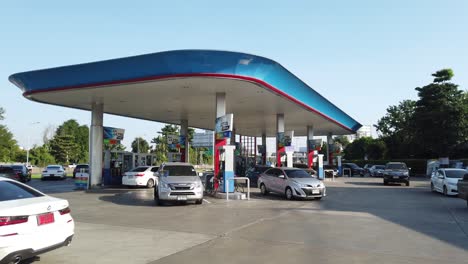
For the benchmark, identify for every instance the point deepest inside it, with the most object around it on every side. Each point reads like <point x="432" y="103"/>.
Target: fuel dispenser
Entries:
<point x="226" y="167"/>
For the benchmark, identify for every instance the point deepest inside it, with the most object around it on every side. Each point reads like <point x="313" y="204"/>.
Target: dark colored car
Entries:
<point x="79" y="167"/>
<point x="396" y="172"/>
<point x="9" y="172"/>
<point x="23" y="172"/>
<point x="254" y="173"/>
<point x="462" y="187"/>
<point x="305" y="167"/>
<point x="355" y="169"/>
<point x="367" y="169"/>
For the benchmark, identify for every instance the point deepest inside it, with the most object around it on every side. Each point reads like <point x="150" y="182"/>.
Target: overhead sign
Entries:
<point x="224" y="123"/>
<point x="288" y="136"/>
<point x="223" y="126"/>
<point x="202" y="140"/>
<point x="113" y="133"/>
<point x="172" y="139"/>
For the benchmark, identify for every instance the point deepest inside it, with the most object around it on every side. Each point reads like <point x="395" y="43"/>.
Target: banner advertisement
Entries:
<point x="181" y="142"/>
<point x="280" y="140"/>
<point x="223" y="135"/>
<point x="288" y="136"/>
<point x="224" y="123"/>
<point x="315" y="144"/>
<point x="113" y="133"/>
<point x="172" y="139"/>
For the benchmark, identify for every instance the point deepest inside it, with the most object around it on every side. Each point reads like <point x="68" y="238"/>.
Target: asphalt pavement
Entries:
<point x="360" y="221"/>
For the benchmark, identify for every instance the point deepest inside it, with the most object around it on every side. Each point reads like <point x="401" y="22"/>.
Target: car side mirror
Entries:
<point x="281" y="177"/>
<point x="200" y="174"/>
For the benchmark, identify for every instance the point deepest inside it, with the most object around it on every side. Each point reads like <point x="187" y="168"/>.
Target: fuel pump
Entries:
<point x="226" y="167"/>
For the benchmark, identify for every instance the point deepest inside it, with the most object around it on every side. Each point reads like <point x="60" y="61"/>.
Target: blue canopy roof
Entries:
<point x="180" y="63"/>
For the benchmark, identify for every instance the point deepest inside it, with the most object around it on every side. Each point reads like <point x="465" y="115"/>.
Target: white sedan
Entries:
<point x="141" y="176"/>
<point x="31" y="223"/>
<point x="445" y="180"/>
<point x="54" y="171"/>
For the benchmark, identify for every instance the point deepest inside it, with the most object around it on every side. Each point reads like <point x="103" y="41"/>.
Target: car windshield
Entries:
<point x="261" y="169"/>
<point x="352" y="165"/>
<point x="396" y="166"/>
<point x="297" y="174"/>
<point x="17" y="167"/>
<point x="53" y="167"/>
<point x="139" y="169"/>
<point x="81" y="166"/>
<point x="456" y="174"/>
<point x="179" y="171"/>
<point x="13" y="191"/>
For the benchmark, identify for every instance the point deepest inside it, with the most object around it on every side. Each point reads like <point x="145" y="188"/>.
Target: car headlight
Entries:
<point x="198" y="185"/>
<point x="303" y="185"/>
<point x="164" y="185"/>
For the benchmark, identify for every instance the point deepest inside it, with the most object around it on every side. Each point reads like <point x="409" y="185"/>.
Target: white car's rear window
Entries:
<point x="13" y="191"/>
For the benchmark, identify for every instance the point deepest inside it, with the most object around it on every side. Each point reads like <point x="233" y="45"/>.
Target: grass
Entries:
<point x="37" y="176"/>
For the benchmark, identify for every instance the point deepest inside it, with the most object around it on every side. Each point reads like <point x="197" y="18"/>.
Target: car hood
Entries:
<point x="452" y="180"/>
<point x="180" y="179"/>
<point x="311" y="181"/>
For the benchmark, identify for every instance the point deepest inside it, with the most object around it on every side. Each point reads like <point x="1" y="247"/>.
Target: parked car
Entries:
<point x="377" y="170"/>
<point x="292" y="182"/>
<point x="178" y="181"/>
<point x="396" y="172"/>
<point x="54" y="172"/>
<point x="330" y="171"/>
<point x="355" y="169"/>
<point x="446" y="180"/>
<point x="31" y="223"/>
<point x="9" y="172"/>
<point x="366" y="169"/>
<point x="79" y="167"/>
<point x="71" y="166"/>
<point x="23" y="172"/>
<point x="254" y="173"/>
<point x="462" y="187"/>
<point x="141" y="176"/>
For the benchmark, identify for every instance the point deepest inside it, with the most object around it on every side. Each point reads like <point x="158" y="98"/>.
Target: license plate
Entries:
<point x="181" y="198"/>
<point x="315" y="191"/>
<point x="44" y="219"/>
<point x="396" y="177"/>
<point x="51" y="175"/>
<point x="129" y="176"/>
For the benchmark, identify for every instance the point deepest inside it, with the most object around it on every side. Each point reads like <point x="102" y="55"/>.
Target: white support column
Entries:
<point x="220" y="104"/>
<point x="279" y="129"/>
<point x="95" y="147"/>
<point x="184" y="132"/>
<point x="264" y="144"/>
<point x="310" y="150"/>
<point x="329" y="142"/>
<point x="321" y="174"/>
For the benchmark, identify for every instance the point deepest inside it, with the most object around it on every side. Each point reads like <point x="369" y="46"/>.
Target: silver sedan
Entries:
<point x="292" y="183"/>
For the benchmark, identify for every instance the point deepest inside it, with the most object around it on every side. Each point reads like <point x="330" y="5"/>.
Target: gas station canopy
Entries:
<point x="181" y="85"/>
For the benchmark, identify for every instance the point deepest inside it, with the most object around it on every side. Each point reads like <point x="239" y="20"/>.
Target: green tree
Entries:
<point x="440" y="117"/>
<point x="140" y="145"/>
<point x="40" y="156"/>
<point x="357" y="149"/>
<point x="79" y="134"/>
<point x="65" y="149"/>
<point x="8" y="145"/>
<point x="2" y="113"/>
<point x="376" y="150"/>
<point x="343" y="140"/>
<point x="396" y="129"/>
<point x="162" y="148"/>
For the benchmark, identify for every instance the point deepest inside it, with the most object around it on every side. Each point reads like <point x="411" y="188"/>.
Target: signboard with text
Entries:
<point x="113" y="133"/>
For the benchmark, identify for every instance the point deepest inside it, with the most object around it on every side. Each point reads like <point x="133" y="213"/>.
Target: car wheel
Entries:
<point x="150" y="183"/>
<point x="407" y="183"/>
<point x="432" y="187"/>
<point x="14" y="259"/>
<point x="288" y="193"/>
<point x="263" y="189"/>
<point x="157" y="200"/>
<point x="445" y="190"/>
<point x="199" y="201"/>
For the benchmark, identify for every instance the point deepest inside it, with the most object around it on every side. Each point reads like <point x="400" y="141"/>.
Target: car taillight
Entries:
<point x="140" y="174"/>
<point x="13" y="220"/>
<point x="65" y="211"/>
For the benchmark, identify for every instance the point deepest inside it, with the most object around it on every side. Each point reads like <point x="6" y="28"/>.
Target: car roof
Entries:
<point x="452" y="169"/>
<point x="394" y="162"/>
<point x="176" y="164"/>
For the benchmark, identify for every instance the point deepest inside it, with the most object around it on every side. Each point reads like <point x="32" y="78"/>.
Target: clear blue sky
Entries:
<point x="361" y="55"/>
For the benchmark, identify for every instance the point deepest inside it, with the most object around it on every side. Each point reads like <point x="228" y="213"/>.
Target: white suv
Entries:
<point x="178" y="181"/>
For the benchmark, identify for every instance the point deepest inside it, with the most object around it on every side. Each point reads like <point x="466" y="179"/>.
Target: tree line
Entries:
<point x="435" y="125"/>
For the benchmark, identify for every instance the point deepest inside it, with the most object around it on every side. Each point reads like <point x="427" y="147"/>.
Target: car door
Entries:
<point x="439" y="180"/>
<point x="281" y="183"/>
<point x="267" y="179"/>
